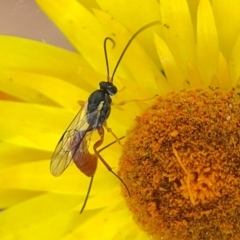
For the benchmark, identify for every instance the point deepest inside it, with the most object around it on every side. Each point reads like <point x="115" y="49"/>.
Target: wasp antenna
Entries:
<point x="126" y="47"/>
<point x="106" y="56"/>
<point x="88" y="192"/>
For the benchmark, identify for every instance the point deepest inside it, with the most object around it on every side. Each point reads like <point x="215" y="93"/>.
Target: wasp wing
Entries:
<point x="79" y="131"/>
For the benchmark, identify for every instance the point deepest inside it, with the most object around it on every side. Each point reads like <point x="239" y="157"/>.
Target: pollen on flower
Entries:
<point x="181" y="163"/>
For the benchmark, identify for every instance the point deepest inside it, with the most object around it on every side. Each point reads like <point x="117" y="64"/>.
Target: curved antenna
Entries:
<point x="126" y="47"/>
<point x="106" y="56"/>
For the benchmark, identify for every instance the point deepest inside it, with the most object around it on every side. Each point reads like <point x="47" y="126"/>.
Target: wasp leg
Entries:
<point x="88" y="192"/>
<point x="99" y="143"/>
<point x="110" y="131"/>
<point x="135" y="100"/>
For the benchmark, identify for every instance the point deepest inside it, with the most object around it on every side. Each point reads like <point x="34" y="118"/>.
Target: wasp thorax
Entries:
<point x="108" y="87"/>
<point x="181" y="164"/>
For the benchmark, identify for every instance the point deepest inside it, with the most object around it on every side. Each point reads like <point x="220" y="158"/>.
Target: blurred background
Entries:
<point x="23" y="18"/>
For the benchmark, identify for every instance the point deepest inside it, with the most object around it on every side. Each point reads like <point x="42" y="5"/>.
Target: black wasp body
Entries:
<point x="73" y="145"/>
<point x="100" y="100"/>
<point x="93" y="115"/>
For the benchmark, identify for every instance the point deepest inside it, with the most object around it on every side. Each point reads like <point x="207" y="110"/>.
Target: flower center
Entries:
<point x="181" y="163"/>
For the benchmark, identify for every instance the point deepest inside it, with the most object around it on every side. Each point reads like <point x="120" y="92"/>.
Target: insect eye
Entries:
<point x="108" y="87"/>
<point x="112" y="90"/>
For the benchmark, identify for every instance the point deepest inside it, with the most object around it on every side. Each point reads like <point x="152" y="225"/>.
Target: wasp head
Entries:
<point x="108" y="87"/>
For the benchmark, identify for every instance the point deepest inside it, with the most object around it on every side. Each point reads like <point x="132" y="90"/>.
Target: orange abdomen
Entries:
<point x="87" y="164"/>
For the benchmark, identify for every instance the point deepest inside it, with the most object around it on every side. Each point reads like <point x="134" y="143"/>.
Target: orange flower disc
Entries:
<point x="181" y="163"/>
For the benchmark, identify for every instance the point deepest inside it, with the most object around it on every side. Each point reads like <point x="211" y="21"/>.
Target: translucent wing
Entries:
<point x="77" y="135"/>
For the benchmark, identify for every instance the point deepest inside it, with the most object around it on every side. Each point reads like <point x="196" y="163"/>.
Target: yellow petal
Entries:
<point x="178" y="31"/>
<point x="80" y="27"/>
<point x="172" y="71"/>
<point x="13" y="154"/>
<point x="48" y="216"/>
<point x="194" y="76"/>
<point x="193" y="6"/>
<point x="32" y="125"/>
<point x="9" y="85"/>
<point x="215" y="81"/>
<point x="10" y="197"/>
<point x="109" y="222"/>
<point x="226" y="14"/>
<point x="43" y="89"/>
<point x="207" y="42"/>
<point x="223" y="73"/>
<point x="28" y="55"/>
<point x="125" y="13"/>
<point x="234" y="63"/>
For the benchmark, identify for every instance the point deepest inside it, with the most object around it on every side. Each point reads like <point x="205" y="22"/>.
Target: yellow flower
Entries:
<point x="40" y="86"/>
<point x="181" y="159"/>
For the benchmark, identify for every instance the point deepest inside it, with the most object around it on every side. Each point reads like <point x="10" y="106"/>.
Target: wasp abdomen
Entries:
<point x="88" y="164"/>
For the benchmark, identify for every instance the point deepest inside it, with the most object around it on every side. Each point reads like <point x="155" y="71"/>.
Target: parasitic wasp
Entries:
<point x="93" y="115"/>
